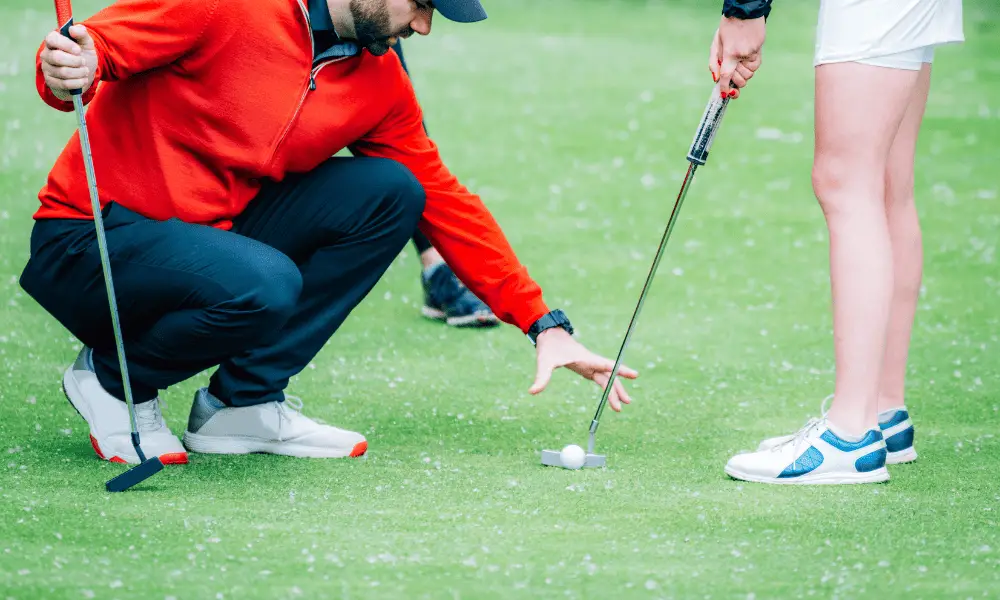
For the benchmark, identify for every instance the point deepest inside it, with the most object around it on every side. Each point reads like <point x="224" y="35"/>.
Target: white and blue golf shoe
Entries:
<point x="896" y="427"/>
<point x="814" y="456"/>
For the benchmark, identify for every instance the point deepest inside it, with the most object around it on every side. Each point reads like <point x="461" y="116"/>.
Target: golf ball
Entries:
<point x="572" y="456"/>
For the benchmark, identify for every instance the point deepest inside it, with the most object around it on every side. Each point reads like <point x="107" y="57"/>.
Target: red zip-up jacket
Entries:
<point x="195" y="101"/>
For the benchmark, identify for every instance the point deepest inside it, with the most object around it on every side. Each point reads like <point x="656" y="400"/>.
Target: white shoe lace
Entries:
<point x="148" y="416"/>
<point x="291" y="409"/>
<point x="802" y="434"/>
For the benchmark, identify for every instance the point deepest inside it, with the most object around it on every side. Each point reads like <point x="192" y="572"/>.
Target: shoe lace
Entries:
<point x="811" y="425"/>
<point x="291" y="408"/>
<point x="148" y="416"/>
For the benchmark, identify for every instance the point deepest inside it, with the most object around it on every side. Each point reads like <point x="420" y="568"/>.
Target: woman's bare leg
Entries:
<point x="907" y="246"/>
<point x="859" y="109"/>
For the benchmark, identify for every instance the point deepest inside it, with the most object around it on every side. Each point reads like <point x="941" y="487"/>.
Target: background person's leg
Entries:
<point x="342" y="224"/>
<point x="422" y="244"/>
<point x="859" y="109"/>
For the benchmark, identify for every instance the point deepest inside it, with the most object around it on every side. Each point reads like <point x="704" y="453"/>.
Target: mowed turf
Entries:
<point x="572" y="120"/>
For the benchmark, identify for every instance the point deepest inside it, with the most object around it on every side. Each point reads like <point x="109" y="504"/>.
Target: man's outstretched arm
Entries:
<point x="461" y="228"/>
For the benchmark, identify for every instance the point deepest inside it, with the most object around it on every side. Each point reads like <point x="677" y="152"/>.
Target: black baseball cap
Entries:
<point x="461" y="11"/>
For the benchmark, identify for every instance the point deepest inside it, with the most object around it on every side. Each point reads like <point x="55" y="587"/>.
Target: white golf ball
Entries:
<point x="572" y="456"/>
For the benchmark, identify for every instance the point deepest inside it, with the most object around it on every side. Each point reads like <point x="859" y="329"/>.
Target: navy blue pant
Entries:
<point x="259" y="301"/>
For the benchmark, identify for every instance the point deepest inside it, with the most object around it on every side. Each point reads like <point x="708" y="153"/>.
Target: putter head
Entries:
<point x="135" y="475"/>
<point x="550" y="458"/>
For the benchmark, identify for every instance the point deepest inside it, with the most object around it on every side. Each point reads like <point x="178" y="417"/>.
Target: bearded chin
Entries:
<point x="371" y="25"/>
<point x="377" y="47"/>
<point x="372" y="41"/>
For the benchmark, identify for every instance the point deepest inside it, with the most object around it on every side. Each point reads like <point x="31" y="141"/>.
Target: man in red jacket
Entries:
<point x="237" y="240"/>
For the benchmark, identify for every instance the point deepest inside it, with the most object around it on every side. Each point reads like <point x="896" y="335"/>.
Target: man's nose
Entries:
<point x="422" y="22"/>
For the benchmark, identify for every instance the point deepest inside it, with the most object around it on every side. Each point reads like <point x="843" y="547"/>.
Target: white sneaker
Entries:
<point x="815" y="455"/>
<point x="273" y="428"/>
<point x="107" y="417"/>
<point x="896" y="427"/>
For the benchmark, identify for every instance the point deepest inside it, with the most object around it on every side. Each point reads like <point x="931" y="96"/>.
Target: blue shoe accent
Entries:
<point x="895" y="419"/>
<point x="872" y="461"/>
<point x="898" y="429"/>
<point x="900" y="441"/>
<point x="873" y="436"/>
<point x="806" y="463"/>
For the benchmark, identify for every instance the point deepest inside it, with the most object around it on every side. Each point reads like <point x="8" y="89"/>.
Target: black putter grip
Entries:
<point x="64" y="18"/>
<point x="710" y="122"/>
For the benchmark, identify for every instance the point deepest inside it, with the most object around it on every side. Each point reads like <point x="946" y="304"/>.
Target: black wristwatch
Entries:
<point x="746" y="9"/>
<point x="556" y="318"/>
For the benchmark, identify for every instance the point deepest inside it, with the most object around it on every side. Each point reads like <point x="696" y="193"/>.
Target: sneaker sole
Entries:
<point x="466" y="321"/>
<point x="170" y="458"/>
<point x="876" y="476"/>
<point x="234" y="445"/>
<point x="903" y="456"/>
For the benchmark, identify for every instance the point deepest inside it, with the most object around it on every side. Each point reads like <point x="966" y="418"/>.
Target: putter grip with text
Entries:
<point x="707" y="129"/>
<point x="64" y="20"/>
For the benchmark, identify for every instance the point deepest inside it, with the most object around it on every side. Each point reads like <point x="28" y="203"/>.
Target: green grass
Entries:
<point x="571" y="119"/>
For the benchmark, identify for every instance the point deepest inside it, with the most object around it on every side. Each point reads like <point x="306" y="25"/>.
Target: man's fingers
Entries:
<point x="61" y="58"/>
<point x="622" y="394"/>
<point x="66" y="84"/>
<point x="542" y="377"/>
<point x="81" y="35"/>
<point x="627" y="373"/>
<point x="58" y="72"/>
<point x="618" y="395"/>
<point x="57" y="41"/>
<point x="66" y="73"/>
<point x="613" y="401"/>
<point x="600" y="363"/>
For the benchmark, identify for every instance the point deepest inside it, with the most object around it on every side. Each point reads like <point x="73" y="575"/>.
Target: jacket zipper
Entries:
<point x="313" y="70"/>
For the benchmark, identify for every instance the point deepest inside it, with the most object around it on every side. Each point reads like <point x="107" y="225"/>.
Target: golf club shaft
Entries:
<point x="642" y="299"/>
<point x="697" y="156"/>
<point x="64" y="16"/>
<point x="102" y="244"/>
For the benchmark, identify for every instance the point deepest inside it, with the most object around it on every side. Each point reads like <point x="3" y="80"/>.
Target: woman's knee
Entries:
<point x="843" y="183"/>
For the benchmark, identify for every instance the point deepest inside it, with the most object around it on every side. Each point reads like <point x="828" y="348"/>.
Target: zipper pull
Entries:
<point x="312" y="81"/>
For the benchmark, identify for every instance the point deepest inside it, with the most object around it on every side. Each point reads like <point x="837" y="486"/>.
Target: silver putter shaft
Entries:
<point x="102" y="244"/>
<point x="146" y="468"/>
<point x="697" y="156"/>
